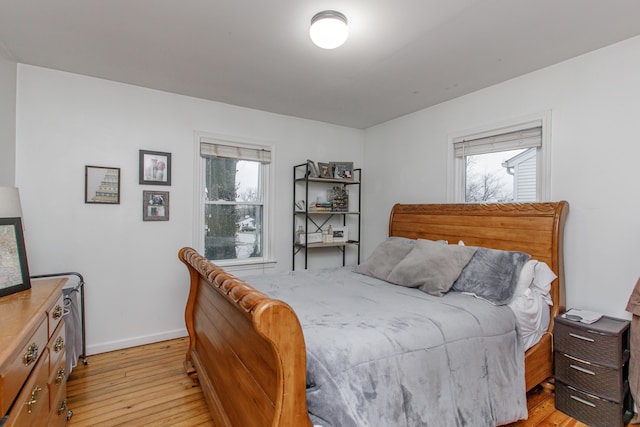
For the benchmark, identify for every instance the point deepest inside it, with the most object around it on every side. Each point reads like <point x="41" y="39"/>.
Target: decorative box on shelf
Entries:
<point x="310" y="238"/>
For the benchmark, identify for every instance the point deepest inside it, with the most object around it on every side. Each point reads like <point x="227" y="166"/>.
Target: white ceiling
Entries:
<point x="401" y="56"/>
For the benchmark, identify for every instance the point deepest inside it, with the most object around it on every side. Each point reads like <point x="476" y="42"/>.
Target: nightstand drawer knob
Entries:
<point x="581" y="369"/>
<point x="580" y="337"/>
<point x="577" y="399"/>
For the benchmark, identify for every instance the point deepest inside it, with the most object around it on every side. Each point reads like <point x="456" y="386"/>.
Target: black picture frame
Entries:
<point x="14" y="269"/>
<point x="102" y="185"/>
<point x="155" y="205"/>
<point x="155" y="168"/>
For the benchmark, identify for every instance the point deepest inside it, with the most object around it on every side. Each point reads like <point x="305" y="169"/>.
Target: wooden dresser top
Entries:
<point x="23" y="311"/>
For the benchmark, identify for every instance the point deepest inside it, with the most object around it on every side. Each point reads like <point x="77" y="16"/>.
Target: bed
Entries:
<point x="248" y="350"/>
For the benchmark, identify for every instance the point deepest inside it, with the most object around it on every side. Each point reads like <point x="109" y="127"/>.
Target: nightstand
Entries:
<point x="591" y="363"/>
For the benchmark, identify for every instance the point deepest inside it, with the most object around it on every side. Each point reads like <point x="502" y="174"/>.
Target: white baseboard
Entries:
<point x="134" y="342"/>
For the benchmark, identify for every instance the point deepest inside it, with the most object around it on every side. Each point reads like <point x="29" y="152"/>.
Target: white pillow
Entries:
<point x="542" y="278"/>
<point x="526" y="278"/>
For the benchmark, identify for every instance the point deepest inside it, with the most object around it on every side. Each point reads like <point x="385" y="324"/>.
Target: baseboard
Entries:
<point x="134" y="342"/>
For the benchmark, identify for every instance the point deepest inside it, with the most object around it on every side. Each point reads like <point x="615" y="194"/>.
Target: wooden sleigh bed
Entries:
<point x="248" y="350"/>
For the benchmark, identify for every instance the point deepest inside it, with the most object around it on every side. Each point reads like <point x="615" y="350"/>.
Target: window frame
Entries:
<point x="456" y="166"/>
<point x="267" y="176"/>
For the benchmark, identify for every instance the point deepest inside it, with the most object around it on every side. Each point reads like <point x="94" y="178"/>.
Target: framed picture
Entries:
<point x="155" y="206"/>
<point x="325" y="170"/>
<point x="102" y="185"/>
<point x="340" y="234"/>
<point x="313" y="171"/>
<point x="342" y="170"/>
<point x="155" y="167"/>
<point x="14" y="271"/>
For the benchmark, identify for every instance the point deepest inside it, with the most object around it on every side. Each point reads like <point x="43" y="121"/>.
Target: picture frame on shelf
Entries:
<point x="15" y="269"/>
<point x="155" y="168"/>
<point x="340" y="234"/>
<point x="325" y="170"/>
<point x="102" y="185"/>
<point x="312" y="169"/>
<point x="342" y="170"/>
<point x="155" y="205"/>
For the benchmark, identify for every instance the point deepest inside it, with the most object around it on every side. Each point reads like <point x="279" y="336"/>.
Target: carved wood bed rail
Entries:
<point x="248" y="351"/>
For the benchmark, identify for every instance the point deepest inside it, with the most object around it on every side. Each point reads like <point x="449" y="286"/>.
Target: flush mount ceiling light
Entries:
<point x="329" y="29"/>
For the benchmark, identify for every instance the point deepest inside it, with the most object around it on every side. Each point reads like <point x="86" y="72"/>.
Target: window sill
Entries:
<point x="245" y="265"/>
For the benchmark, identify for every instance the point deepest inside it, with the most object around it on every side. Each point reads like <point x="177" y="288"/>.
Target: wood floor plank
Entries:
<point x="147" y="386"/>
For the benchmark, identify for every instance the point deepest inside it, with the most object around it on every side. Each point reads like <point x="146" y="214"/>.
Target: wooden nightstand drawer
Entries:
<point x="600" y="380"/>
<point x="604" y="342"/>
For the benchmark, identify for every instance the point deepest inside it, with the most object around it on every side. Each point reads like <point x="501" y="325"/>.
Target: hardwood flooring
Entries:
<point x="147" y="386"/>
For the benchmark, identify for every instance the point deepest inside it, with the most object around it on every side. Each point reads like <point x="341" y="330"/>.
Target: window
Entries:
<point x="233" y="219"/>
<point x="503" y="165"/>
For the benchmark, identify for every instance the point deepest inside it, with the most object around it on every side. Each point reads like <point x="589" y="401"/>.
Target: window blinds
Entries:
<point x="525" y="138"/>
<point x="208" y="149"/>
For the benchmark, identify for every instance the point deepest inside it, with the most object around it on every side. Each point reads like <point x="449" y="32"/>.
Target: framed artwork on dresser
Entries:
<point x="14" y="270"/>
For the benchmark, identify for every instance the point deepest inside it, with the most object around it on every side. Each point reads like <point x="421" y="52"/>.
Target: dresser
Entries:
<point x="33" y="381"/>
<point x="591" y="369"/>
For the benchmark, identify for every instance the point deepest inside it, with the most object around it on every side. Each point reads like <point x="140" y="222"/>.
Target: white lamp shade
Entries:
<point x="329" y="29"/>
<point x="10" y="203"/>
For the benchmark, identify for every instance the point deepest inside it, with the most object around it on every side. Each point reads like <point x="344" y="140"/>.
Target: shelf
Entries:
<point x="327" y="245"/>
<point x="328" y="213"/>
<point x="329" y="180"/>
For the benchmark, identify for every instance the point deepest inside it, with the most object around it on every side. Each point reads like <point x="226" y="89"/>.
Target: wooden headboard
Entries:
<point x="534" y="228"/>
<point x="248" y="352"/>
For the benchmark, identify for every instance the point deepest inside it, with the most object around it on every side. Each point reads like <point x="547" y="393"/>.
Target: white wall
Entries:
<point x="595" y="105"/>
<point x="136" y="287"/>
<point x="7" y="121"/>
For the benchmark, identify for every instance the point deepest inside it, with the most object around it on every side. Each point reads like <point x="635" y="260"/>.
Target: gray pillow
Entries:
<point x="431" y="266"/>
<point x="386" y="255"/>
<point x="492" y="275"/>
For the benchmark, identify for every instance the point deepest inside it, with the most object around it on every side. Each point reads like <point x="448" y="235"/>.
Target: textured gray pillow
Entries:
<point x="386" y="255"/>
<point x="431" y="266"/>
<point x="492" y="275"/>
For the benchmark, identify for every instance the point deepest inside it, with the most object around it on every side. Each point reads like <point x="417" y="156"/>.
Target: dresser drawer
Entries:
<point x="605" y="382"/>
<point x="21" y="363"/>
<point x="604" y="342"/>
<point x="58" y="394"/>
<point x="590" y="409"/>
<point x="56" y="345"/>
<point x="55" y="314"/>
<point x="31" y="407"/>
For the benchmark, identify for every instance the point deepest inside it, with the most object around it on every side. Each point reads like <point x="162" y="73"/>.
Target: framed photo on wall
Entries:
<point x="14" y="270"/>
<point x="102" y="185"/>
<point x="155" y="167"/>
<point x="155" y="206"/>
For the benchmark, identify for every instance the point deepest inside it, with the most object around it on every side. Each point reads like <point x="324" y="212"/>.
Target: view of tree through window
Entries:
<point x="233" y="209"/>
<point x="491" y="177"/>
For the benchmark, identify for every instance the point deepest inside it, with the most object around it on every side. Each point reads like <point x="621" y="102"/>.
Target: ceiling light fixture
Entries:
<point x="329" y="29"/>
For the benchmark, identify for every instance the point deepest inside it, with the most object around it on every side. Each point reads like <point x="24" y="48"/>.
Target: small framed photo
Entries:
<point x="340" y="234"/>
<point x="311" y="169"/>
<point x="14" y="269"/>
<point x="155" y="167"/>
<point x="325" y="170"/>
<point x="342" y="170"/>
<point x="102" y="185"/>
<point x="155" y="206"/>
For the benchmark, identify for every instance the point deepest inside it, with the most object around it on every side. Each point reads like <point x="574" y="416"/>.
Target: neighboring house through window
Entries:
<point x="233" y="218"/>
<point x="505" y="164"/>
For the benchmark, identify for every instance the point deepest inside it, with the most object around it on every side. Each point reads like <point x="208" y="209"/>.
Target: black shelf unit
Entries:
<point x="315" y="221"/>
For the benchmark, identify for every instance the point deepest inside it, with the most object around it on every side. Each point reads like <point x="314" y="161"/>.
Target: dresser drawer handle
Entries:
<point x="580" y="337"/>
<point x="63" y="407"/>
<point x="60" y="376"/>
<point x="568" y="356"/>
<point x="57" y="312"/>
<point x="33" y="400"/>
<point x="31" y="355"/>
<point x="59" y="345"/>
<point x="581" y="369"/>
<point x="586" y="402"/>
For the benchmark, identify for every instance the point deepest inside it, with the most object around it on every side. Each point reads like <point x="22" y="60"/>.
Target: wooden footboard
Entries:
<point x="247" y="350"/>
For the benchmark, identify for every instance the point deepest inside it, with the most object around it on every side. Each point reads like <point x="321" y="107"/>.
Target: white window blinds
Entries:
<point x="209" y="149"/>
<point x="525" y="138"/>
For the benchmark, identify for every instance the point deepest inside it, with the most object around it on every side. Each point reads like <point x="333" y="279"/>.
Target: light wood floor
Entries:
<point x="147" y="386"/>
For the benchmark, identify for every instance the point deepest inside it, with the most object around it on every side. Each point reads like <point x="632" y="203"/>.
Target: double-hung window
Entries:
<point x="234" y="201"/>
<point x="501" y="166"/>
